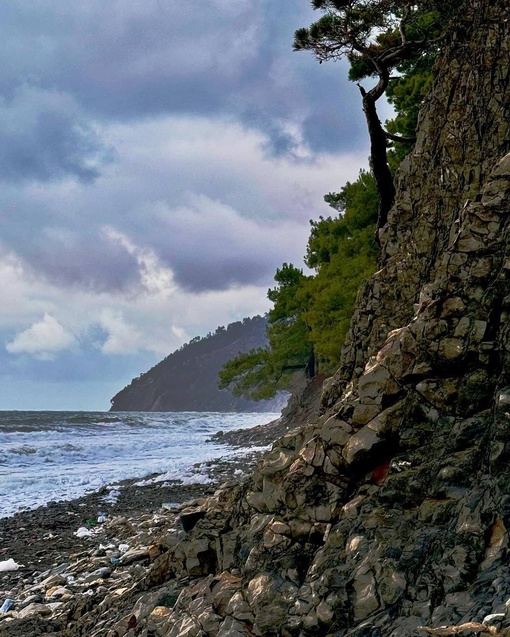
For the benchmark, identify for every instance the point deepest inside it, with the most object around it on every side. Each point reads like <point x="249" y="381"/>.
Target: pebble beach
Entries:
<point x="85" y="548"/>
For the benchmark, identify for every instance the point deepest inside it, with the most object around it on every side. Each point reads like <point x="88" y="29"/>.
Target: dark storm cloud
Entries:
<point x="72" y="71"/>
<point x="90" y="265"/>
<point x="279" y="142"/>
<point x="135" y="59"/>
<point x="209" y="246"/>
<point x="211" y="273"/>
<point x="44" y="137"/>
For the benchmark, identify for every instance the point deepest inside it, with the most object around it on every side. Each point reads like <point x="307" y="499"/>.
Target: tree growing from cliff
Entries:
<point x="377" y="37"/>
<point x="261" y="372"/>
<point x="311" y="314"/>
<point x="342" y="253"/>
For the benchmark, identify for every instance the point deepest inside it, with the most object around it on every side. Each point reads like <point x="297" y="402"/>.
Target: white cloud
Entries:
<point x="42" y="340"/>
<point x="219" y="157"/>
<point x="151" y="322"/>
<point x="166" y="205"/>
<point x="123" y="338"/>
<point x="154" y="277"/>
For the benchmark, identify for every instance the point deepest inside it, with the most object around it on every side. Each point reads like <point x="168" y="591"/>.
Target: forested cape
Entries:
<point x="391" y="47"/>
<point x="187" y="380"/>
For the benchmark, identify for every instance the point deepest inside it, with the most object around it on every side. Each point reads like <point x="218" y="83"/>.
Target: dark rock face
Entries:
<point x="463" y="131"/>
<point x="391" y="511"/>
<point x="187" y="380"/>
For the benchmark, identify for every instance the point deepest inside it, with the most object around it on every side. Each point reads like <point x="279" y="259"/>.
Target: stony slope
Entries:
<point x="187" y="380"/>
<point x="390" y="512"/>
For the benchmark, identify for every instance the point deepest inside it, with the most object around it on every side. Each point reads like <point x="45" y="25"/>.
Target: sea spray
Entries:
<point x="48" y="456"/>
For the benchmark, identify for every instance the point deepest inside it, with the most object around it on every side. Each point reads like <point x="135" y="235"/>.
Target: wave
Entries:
<point x="23" y="451"/>
<point x="60" y="456"/>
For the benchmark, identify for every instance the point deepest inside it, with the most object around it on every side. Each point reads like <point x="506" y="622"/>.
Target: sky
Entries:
<point x="158" y="161"/>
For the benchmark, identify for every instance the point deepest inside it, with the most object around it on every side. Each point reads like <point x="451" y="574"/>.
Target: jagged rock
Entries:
<point x="135" y="555"/>
<point x="58" y="591"/>
<point x="99" y="574"/>
<point x="231" y="627"/>
<point x="52" y="580"/>
<point x="31" y="599"/>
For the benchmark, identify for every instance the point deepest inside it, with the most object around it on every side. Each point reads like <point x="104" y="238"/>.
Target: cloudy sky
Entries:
<point x="158" y="160"/>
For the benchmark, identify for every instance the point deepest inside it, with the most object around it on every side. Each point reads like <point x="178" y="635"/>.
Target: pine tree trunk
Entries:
<point x="379" y="160"/>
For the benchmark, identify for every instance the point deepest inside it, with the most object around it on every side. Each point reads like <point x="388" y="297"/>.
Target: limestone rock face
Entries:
<point x="391" y="512"/>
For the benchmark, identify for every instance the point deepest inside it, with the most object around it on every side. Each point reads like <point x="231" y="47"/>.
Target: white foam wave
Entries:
<point x="40" y="462"/>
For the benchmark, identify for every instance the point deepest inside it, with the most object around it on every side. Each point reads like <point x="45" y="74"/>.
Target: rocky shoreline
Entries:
<point x="74" y="553"/>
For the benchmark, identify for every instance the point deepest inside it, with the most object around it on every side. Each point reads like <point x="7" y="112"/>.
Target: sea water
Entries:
<point x="48" y="456"/>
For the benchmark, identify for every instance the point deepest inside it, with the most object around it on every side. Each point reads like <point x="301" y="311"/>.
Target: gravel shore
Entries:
<point x="39" y="538"/>
<point x="72" y="554"/>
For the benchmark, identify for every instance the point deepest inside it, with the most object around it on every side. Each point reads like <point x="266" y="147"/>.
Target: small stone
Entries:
<point x="494" y="619"/>
<point x="373" y="384"/>
<point x="100" y="573"/>
<point x="360" y="443"/>
<point x="31" y="599"/>
<point x="231" y="627"/>
<point x="135" y="555"/>
<point x="324" y="613"/>
<point x="366" y="601"/>
<point x="450" y="348"/>
<point x="335" y="431"/>
<point x="439" y="392"/>
<point x="239" y="608"/>
<point x="35" y="609"/>
<point x="453" y="306"/>
<point x="53" y="580"/>
<point x="280" y="527"/>
<point x="276" y="461"/>
<point x="57" y="591"/>
<point x="364" y="413"/>
<point x="311" y="621"/>
<point x="161" y="611"/>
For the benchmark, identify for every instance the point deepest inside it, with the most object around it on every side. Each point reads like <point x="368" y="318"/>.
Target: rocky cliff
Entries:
<point x="391" y="511"/>
<point x="187" y="380"/>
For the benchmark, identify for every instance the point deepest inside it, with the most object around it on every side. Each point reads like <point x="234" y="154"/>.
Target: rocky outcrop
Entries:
<point x="391" y="511"/>
<point x="389" y="514"/>
<point x="463" y="131"/>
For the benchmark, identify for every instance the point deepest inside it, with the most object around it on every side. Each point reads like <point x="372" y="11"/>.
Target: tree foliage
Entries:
<point x="395" y="42"/>
<point x="311" y="314"/>
<point x="343" y="254"/>
<point x="262" y="372"/>
<point x="377" y="37"/>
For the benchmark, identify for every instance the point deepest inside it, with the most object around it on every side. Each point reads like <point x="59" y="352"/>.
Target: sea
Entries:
<point x="47" y="456"/>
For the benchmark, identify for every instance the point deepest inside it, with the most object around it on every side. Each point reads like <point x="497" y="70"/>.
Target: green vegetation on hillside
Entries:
<point x="261" y="372"/>
<point x="187" y="379"/>
<point x="311" y="314"/>
<point x="342" y="252"/>
<point x="397" y="43"/>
